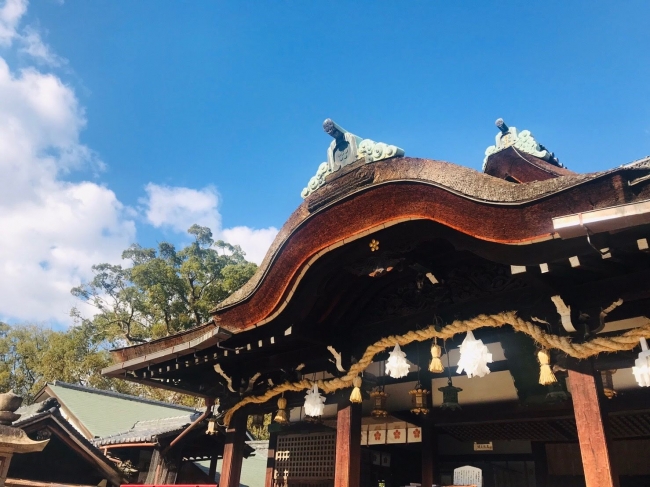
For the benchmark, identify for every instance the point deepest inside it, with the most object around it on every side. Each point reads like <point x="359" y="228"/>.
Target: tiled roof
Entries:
<point x="106" y="413"/>
<point x="148" y="431"/>
<point x="37" y="409"/>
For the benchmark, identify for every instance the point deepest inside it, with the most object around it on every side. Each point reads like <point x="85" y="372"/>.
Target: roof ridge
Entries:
<point x="156" y="420"/>
<point x="119" y="395"/>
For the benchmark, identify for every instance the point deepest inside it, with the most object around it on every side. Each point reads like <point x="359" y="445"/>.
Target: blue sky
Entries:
<point x="221" y="104"/>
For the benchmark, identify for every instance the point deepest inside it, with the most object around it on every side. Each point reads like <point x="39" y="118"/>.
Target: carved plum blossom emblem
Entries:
<point x="397" y="434"/>
<point x="374" y="245"/>
<point x="416" y="433"/>
<point x="377" y="436"/>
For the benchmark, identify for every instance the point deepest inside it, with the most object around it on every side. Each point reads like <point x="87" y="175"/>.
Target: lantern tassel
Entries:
<point x="356" y="392"/>
<point x="546" y="375"/>
<point x="436" y="364"/>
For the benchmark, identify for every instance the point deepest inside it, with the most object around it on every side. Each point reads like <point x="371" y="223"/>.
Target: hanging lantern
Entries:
<point x="282" y="417"/>
<point x="641" y="369"/>
<point x="608" y="383"/>
<point x="419" y="400"/>
<point x="378" y="398"/>
<point x="314" y="402"/>
<point x="257" y="420"/>
<point x="212" y="427"/>
<point x="556" y="393"/>
<point x="474" y="357"/>
<point x="450" y="396"/>
<point x="435" y="365"/>
<point x="396" y="365"/>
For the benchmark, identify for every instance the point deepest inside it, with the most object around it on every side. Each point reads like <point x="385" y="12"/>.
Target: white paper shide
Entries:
<point x="641" y="369"/>
<point x="396" y="365"/>
<point x="474" y="357"/>
<point x="314" y="402"/>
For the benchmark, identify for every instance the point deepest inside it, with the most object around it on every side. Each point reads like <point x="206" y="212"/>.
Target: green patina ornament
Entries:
<point x="345" y="149"/>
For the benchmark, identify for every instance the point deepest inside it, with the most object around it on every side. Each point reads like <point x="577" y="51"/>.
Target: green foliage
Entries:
<point x="165" y="290"/>
<point x="259" y="432"/>
<point x="161" y="292"/>
<point x="33" y="355"/>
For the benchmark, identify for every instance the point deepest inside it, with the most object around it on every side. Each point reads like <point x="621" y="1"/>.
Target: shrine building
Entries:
<point x="416" y="322"/>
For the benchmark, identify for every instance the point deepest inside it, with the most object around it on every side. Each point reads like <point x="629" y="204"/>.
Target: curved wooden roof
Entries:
<point x="369" y="197"/>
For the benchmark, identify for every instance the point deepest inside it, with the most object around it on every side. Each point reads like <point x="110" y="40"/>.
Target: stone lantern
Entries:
<point x="13" y="440"/>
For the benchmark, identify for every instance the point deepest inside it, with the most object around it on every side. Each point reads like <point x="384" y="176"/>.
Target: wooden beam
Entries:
<point x="270" y="459"/>
<point x="233" y="451"/>
<point x="347" y="470"/>
<point x="591" y="422"/>
<point x="429" y="452"/>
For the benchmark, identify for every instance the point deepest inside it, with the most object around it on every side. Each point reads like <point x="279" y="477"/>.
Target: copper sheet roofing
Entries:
<point x="105" y="413"/>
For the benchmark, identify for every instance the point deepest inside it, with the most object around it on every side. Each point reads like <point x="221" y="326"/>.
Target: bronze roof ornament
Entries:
<point x="521" y="141"/>
<point x="345" y="149"/>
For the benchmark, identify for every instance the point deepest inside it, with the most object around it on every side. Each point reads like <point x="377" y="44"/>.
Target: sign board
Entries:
<point x="483" y="446"/>
<point x="468" y="476"/>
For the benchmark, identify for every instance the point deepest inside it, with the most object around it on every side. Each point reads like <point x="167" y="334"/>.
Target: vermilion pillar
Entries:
<point x="347" y="471"/>
<point x="233" y="451"/>
<point x="591" y="421"/>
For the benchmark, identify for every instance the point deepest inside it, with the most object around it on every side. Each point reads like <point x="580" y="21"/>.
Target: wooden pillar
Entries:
<point x="233" y="451"/>
<point x="163" y="469"/>
<point x="429" y="452"/>
<point x="270" y="459"/>
<point x="347" y="471"/>
<point x="541" y="464"/>
<point x="591" y="421"/>
<point x="213" y="466"/>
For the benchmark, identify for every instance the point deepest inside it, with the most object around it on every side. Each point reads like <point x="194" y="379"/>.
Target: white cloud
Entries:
<point x="36" y="48"/>
<point x="255" y="242"/>
<point x="177" y="208"/>
<point x="10" y="14"/>
<point x="53" y="231"/>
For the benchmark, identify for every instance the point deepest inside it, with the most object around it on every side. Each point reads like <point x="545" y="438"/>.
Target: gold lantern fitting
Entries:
<point x="378" y="398"/>
<point x="212" y="427"/>
<point x="282" y="417"/>
<point x="419" y="400"/>
<point x="450" y="396"/>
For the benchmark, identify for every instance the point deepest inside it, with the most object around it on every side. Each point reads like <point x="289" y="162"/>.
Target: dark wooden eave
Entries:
<point x="427" y="215"/>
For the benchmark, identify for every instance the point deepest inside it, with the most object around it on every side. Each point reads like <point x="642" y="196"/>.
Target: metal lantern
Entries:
<point x="378" y="398"/>
<point x="608" y="383"/>
<point x="556" y="393"/>
<point x="419" y="400"/>
<point x="450" y="396"/>
<point x="282" y="417"/>
<point x="212" y="427"/>
<point x="257" y="420"/>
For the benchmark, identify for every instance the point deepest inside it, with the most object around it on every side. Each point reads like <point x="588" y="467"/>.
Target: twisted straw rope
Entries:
<point x="625" y="341"/>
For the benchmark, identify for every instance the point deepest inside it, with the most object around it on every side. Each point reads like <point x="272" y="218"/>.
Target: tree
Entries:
<point x="160" y="292"/>
<point x="164" y="290"/>
<point x="32" y="355"/>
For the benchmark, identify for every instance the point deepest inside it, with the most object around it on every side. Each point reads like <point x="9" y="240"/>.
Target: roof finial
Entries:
<point x="501" y="125"/>
<point x="346" y="149"/>
<point x="332" y="128"/>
